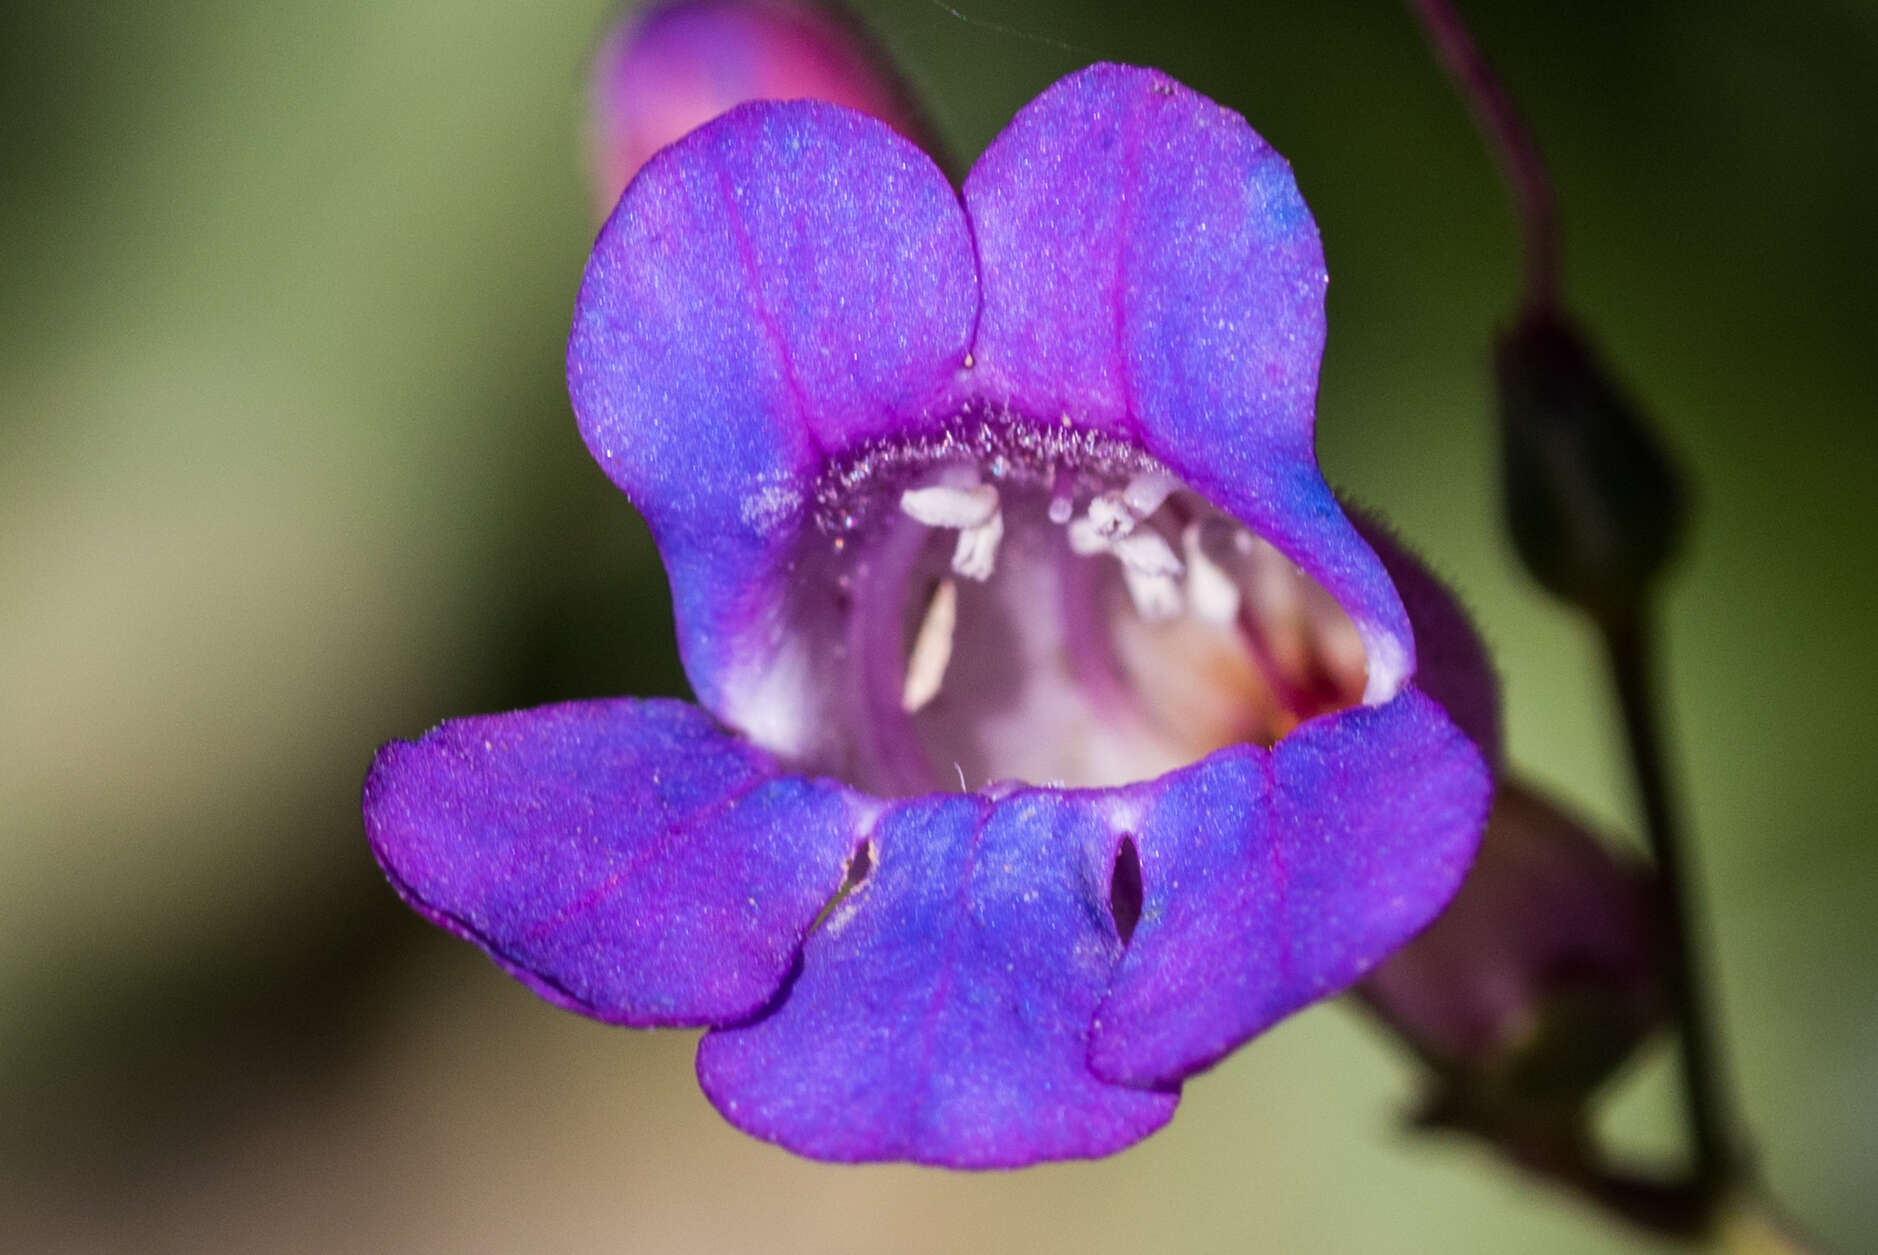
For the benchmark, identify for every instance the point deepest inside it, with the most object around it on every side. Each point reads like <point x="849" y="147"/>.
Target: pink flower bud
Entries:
<point x="1545" y="971"/>
<point x="667" y="69"/>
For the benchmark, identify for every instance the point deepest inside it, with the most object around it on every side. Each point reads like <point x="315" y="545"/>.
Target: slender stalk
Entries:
<point x="1534" y="203"/>
<point x="1630" y="649"/>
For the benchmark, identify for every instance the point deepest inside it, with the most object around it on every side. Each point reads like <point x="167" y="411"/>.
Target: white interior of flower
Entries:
<point x="994" y="620"/>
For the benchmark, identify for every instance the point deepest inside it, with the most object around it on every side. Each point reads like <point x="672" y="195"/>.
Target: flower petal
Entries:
<point x="782" y="283"/>
<point x="942" y="1013"/>
<point x="1149" y="268"/>
<point x="1272" y="879"/>
<point x="624" y="859"/>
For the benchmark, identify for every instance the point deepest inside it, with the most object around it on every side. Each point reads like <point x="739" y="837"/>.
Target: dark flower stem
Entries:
<point x="1534" y="204"/>
<point x="1630" y="649"/>
<point x="1628" y="637"/>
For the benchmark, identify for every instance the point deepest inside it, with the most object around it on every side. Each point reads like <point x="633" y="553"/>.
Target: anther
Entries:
<point x="1145" y="493"/>
<point x="1211" y="592"/>
<point x="950" y="505"/>
<point x="932" y="649"/>
<point x="1110" y="516"/>
<point x="976" y="554"/>
<point x="1084" y="540"/>
<point x="973" y="510"/>
<point x="1147" y="552"/>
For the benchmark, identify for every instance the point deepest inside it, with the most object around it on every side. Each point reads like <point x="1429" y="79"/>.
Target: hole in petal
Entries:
<point x="860" y="864"/>
<point x="1125" y="890"/>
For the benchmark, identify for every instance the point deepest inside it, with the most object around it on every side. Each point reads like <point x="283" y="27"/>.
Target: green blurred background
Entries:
<point x="286" y="469"/>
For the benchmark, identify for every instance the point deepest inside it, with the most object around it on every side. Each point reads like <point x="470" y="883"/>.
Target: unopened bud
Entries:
<point x="1543" y="975"/>
<point x="1595" y="505"/>
<point x="667" y="69"/>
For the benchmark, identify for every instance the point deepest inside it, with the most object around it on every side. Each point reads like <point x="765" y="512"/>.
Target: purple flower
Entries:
<point x="667" y="69"/>
<point x="1056" y="730"/>
<point x="1546" y="971"/>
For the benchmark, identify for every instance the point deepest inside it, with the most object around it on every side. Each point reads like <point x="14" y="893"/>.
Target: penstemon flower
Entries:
<point x="1056" y="730"/>
<point x="1545" y="973"/>
<point x="668" y="68"/>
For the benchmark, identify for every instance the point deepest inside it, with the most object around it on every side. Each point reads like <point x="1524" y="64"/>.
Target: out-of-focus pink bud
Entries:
<point x="666" y="69"/>
<point x="1546" y="971"/>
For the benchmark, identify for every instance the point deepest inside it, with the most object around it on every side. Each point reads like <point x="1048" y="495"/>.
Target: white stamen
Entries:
<point x="932" y="649"/>
<point x="1147" y="553"/>
<point x="1084" y="540"/>
<point x="1110" y="516"/>
<point x="976" y="554"/>
<point x="1211" y="593"/>
<point x="1156" y="596"/>
<point x="950" y="505"/>
<point x="1145" y="493"/>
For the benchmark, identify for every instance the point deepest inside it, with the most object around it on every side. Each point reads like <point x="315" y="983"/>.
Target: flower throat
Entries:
<point x="1044" y="604"/>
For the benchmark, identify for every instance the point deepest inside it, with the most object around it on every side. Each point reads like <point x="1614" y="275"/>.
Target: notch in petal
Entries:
<point x="624" y="859"/>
